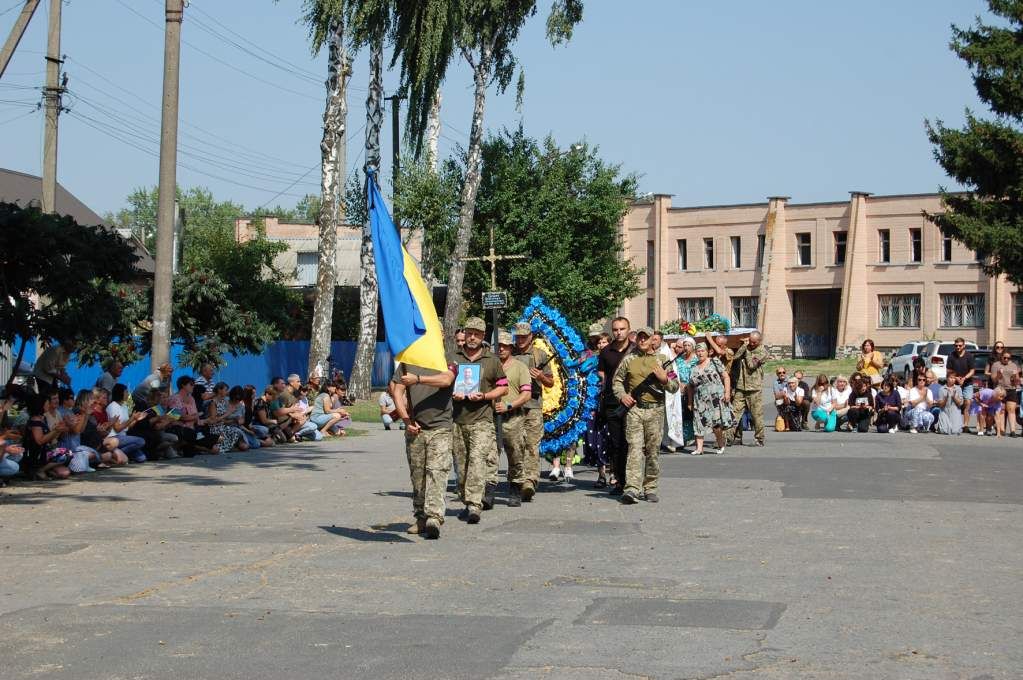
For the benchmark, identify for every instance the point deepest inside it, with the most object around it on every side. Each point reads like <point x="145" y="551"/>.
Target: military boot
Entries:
<point x="417" y="527"/>
<point x="515" y="496"/>
<point x="488" y="495"/>
<point x="528" y="491"/>
<point x="431" y="528"/>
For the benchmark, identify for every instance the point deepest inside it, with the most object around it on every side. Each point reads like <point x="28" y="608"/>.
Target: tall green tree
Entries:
<point x="60" y="280"/>
<point x="987" y="155"/>
<point x="209" y="243"/>
<point x="561" y="209"/>
<point x="484" y="33"/>
<point x="427" y="200"/>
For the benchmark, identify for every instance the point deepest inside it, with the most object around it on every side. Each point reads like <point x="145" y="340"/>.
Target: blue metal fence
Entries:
<point x="279" y="358"/>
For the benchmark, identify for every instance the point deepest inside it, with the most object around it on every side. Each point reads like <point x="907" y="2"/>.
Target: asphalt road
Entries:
<point x="819" y="556"/>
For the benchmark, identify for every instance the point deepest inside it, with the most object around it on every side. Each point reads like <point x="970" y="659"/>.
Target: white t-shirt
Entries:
<point x="903" y="394"/>
<point x="841" y="397"/>
<point x="915" y="394"/>
<point x="386" y="401"/>
<point x="824" y="397"/>
<point x="115" y="410"/>
<point x="793" y="394"/>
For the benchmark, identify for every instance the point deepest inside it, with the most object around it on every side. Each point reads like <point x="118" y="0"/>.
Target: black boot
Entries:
<point x="488" y="495"/>
<point x="515" y="496"/>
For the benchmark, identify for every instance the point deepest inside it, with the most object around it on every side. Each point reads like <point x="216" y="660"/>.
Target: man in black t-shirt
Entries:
<point x="962" y="362"/>
<point x="607" y="363"/>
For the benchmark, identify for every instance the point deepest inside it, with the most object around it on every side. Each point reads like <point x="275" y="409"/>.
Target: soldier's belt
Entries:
<point x="647" y="404"/>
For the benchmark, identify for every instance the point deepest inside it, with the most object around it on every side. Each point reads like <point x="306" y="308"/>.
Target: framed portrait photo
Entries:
<point x="468" y="380"/>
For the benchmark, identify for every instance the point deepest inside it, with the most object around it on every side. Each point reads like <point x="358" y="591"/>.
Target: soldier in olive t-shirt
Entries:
<point x="422" y="397"/>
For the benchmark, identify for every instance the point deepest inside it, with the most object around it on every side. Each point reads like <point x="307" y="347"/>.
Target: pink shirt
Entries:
<point x="186" y="405"/>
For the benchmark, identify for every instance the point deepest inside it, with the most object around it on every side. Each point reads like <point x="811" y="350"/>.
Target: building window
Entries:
<point x="305" y="273"/>
<point x="841" y="239"/>
<point x="694" y="309"/>
<point x="884" y="245"/>
<point x="708" y="253"/>
<point x="962" y="311"/>
<point x="736" y="252"/>
<point x="744" y="311"/>
<point x="946" y="248"/>
<point x="650" y="262"/>
<point x="916" y="245"/>
<point x="650" y="312"/>
<point x="761" y="247"/>
<point x="803" y="250"/>
<point x="1017" y="309"/>
<point x="683" y="260"/>
<point x="898" y="311"/>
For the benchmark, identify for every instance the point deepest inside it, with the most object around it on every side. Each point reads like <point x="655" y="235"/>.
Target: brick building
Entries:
<point x="817" y="277"/>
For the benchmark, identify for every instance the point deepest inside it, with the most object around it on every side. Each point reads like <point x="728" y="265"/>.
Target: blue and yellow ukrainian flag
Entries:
<point x="410" y="319"/>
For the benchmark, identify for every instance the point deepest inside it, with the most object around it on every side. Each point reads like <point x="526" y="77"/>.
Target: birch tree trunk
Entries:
<point x="456" y="277"/>
<point x="432" y="141"/>
<point x="433" y="132"/>
<point x="332" y="160"/>
<point x="361" y="383"/>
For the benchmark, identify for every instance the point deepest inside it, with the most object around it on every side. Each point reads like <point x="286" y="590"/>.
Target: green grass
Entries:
<point x="366" y="410"/>
<point x="811" y="368"/>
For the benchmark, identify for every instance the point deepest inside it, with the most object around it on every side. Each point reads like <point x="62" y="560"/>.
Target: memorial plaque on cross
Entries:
<point x="493" y="258"/>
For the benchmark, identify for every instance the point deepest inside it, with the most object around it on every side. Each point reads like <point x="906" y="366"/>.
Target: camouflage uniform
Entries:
<point x="644" y="421"/>
<point x="474" y="428"/>
<point x="513" y="434"/>
<point x="748" y="390"/>
<point x="532" y="421"/>
<point x="429" y="452"/>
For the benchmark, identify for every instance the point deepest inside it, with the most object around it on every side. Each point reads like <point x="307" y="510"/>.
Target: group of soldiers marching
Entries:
<point x="450" y="416"/>
<point x="446" y="420"/>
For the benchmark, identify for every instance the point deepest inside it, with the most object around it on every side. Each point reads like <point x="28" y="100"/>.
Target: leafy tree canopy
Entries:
<point x="253" y="281"/>
<point x="987" y="155"/>
<point x="560" y="209"/>
<point x="60" y="280"/>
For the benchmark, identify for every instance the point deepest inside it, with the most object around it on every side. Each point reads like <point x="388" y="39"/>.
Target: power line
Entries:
<point x="216" y="58"/>
<point x="270" y="58"/>
<point x="152" y="138"/>
<point x="212" y="18"/>
<point x="19" y="116"/>
<point x="13" y="7"/>
<point x="233" y="147"/>
<point x="99" y="128"/>
<point x="151" y="129"/>
<point x="344" y="183"/>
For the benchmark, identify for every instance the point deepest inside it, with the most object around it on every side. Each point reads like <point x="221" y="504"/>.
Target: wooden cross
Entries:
<point x="492" y="258"/>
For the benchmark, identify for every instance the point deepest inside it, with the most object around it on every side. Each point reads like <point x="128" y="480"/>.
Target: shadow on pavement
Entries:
<point x="366" y="536"/>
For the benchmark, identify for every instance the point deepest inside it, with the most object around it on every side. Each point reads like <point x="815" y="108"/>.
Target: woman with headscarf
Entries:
<point x="685" y="359"/>
<point x="710" y="392"/>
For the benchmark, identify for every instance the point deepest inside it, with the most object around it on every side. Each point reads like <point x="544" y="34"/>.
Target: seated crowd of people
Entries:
<point x="893" y="403"/>
<point x="55" y="432"/>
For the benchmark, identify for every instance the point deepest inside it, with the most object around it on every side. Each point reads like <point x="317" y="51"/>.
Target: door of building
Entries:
<point x="815" y="322"/>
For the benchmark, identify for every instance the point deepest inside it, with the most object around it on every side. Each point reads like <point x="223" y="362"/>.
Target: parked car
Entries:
<point x="901" y="362"/>
<point x="935" y="354"/>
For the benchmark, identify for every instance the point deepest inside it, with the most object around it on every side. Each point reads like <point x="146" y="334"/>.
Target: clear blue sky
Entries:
<point x="713" y="102"/>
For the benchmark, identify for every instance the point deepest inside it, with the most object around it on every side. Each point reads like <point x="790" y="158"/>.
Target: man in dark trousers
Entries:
<point x="607" y="364"/>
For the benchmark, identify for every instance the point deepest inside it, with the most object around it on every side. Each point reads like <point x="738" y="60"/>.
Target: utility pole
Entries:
<point x="52" y="100"/>
<point x="163" y="285"/>
<point x="17" y="31"/>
